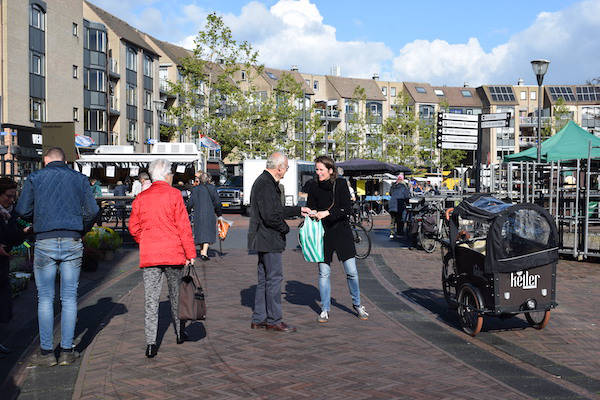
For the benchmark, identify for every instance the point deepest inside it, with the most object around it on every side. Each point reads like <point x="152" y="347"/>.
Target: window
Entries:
<point x="523" y="95"/>
<point x="95" y="40"/>
<point x="132" y="131"/>
<point x="243" y="75"/>
<point x="393" y="91"/>
<point x="95" y="80"/>
<point x="147" y="132"/>
<point x="466" y="93"/>
<point x="131" y="56"/>
<point x="37" y="63"/>
<point x="438" y="92"/>
<point x="307" y="82"/>
<point x="532" y="95"/>
<point x="75" y="72"/>
<point x="351" y="107"/>
<point x="75" y="114"/>
<point x="36" y="18"/>
<point x="75" y="29"/>
<point x="316" y="85"/>
<point x="147" y="100"/>
<point x="131" y="94"/>
<point x="502" y="93"/>
<point x="270" y="75"/>
<point x="374" y="109"/>
<point x="37" y="110"/>
<point x="384" y="91"/>
<point x="94" y="120"/>
<point x="148" y="66"/>
<point x="420" y="89"/>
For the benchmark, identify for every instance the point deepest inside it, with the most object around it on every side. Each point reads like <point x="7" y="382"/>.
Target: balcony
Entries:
<point x="374" y="118"/>
<point x="113" y="69"/>
<point x="333" y="115"/>
<point x="166" y="119"/>
<point x="533" y="121"/>
<point x="113" y="105"/>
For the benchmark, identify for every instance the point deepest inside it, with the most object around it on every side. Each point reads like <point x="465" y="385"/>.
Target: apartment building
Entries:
<point x="133" y="90"/>
<point x="40" y="64"/>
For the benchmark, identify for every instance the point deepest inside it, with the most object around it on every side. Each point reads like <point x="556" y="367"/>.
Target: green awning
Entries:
<point x="570" y="143"/>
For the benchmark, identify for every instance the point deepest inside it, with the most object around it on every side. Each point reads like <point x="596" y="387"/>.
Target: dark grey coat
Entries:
<point x="205" y="203"/>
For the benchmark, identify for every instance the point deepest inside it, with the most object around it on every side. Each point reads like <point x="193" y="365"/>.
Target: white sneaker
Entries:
<point x="362" y="313"/>
<point x="323" y="317"/>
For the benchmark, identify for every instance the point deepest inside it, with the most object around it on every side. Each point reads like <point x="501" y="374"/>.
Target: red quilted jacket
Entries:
<point x="159" y="222"/>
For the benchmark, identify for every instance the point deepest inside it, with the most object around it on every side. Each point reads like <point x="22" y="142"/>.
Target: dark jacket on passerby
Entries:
<point x="399" y="192"/>
<point x="10" y="235"/>
<point x="338" y="234"/>
<point x="64" y="205"/>
<point x="267" y="229"/>
<point x="205" y="203"/>
<point x="97" y="189"/>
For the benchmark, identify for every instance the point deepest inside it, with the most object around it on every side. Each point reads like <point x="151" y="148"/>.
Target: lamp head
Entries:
<point x="540" y="67"/>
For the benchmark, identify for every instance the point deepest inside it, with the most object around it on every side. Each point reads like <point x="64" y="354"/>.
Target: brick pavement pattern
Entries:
<point x="343" y="359"/>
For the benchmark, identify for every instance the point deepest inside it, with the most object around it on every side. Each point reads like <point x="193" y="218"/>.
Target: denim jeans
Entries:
<point x="325" y="284"/>
<point x="51" y="254"/>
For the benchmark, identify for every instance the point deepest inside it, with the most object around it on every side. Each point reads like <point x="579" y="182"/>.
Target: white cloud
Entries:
<point x="568" y="38"/>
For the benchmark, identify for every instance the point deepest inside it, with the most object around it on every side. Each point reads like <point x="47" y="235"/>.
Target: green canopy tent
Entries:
<point x="570" y="143"/>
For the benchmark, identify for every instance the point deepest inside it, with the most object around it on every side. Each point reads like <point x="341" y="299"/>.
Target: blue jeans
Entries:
<point x="267" y="301"/>
<point x="50" y="254"/>
<point x="325" y="284"/>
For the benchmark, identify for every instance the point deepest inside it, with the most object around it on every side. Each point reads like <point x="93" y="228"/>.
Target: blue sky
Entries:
<point x="439" y="42"/>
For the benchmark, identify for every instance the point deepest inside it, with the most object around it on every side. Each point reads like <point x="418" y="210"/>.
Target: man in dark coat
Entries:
<point x="399" y="195"/>
<point x="266" y="235"/>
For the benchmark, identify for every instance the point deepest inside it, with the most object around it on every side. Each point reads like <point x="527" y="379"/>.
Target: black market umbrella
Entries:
<point x="359" y="166"/>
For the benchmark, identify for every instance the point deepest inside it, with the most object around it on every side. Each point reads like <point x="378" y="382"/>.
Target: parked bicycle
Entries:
<point x="361" y="215"/>
<point x="427" y="224"/>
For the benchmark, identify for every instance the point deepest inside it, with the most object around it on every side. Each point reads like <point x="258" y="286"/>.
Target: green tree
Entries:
<point x="400" y="130"/>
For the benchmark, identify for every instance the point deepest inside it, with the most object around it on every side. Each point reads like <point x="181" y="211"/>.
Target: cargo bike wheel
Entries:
<point x="449" y="279"/>
<point x="538" y="319"/>
<point x="469" y="306"/>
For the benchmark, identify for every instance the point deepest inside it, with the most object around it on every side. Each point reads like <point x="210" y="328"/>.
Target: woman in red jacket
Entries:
<point x="159" y="222"/>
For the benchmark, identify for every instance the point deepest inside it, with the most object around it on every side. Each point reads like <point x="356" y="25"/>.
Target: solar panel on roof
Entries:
<point x="588" y="93"/>
<point x="271" y="75"/>
<point x="564" y="92"/>
<point x="502" y="93"/>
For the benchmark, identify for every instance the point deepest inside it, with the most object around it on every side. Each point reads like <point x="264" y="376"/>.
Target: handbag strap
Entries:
<point x="333" y="202"/>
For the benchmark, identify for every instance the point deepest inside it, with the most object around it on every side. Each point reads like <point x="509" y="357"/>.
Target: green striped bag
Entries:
<point x="311" y="240"/>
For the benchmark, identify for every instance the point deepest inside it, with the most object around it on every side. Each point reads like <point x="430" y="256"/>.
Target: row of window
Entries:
<point x="131" y="94"/>
<point x="37" y="19"/>
<point x="532" y="95"/>
<point x="132" y="62"/>
<point x="132" y="131"/>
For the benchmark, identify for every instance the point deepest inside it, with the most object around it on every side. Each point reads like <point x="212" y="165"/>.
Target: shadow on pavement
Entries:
<point x="247" y="297"/>
<point x="164" y="321"/>
<point x="90" y="317"/>
<point x="303" y="295"/>
<point x="433" y="300"/>
<point x="195" y="331"/>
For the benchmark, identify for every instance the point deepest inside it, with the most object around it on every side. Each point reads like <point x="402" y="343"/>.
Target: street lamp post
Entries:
<point x="539" y="69"/>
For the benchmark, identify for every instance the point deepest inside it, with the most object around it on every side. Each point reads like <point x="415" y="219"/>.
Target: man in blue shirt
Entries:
<point x="61" y="205"/>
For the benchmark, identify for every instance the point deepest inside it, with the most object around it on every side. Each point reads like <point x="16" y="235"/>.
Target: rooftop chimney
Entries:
<point x="376" y="76"/>
<point x="294" y="68"/>
<point x="520" y="82"/>
<point x="466" y="84"/>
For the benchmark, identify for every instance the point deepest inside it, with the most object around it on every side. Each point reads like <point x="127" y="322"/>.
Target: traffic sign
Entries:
<point x="456" y="131"/>
<point x="460" y="139"/>
<point x="494" y="117"/>
<point x="458" y="117"/>
<point x="495" y="124"/>
<point x="459" y="124"/>
<point x="458" y="146"/>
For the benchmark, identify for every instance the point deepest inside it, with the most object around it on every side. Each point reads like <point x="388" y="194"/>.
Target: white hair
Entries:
<point x="276" y="160"/>
<point x="159" y="169"/>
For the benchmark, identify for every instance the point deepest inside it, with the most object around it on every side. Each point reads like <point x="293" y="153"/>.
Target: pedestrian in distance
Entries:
<point x="206" y="206"/>
<point x="60" y="202"/>
<point x="159" y="223"/>
<point x="10" y="235"/>
<point x="399" y="195"/>
<point x="330" y="197"/>
<point x="142" y="183"/>
<point x="96" y="188"/>
<point x="266" y="236"/>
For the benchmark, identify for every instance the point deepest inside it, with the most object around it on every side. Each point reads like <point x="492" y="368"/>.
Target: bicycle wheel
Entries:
<point x="449" y="280"/>
<point x="362" y="241"/>
<point x="426" y="241"/>
<point x="366" y="220"/>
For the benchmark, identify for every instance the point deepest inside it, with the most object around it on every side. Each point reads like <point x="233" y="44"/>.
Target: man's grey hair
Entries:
<point x="144" y="175"/>
<point x="159" y="169"/>
<point x="276" y="160"/>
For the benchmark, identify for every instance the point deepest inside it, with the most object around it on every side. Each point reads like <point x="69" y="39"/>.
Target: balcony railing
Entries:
<point x="532" y="121"/>
<point x="166" y="119"/>
<point x="327" y="113"/>
<point x="164" y="85"/>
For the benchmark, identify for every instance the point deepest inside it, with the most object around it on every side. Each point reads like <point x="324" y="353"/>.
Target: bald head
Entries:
<point x="54" y="154"/>
<point x="277" y="165"/>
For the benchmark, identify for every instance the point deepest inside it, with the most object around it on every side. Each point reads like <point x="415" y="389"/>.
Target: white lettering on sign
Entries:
<point x="524" y="280"/>
<point x="36" y="138"/>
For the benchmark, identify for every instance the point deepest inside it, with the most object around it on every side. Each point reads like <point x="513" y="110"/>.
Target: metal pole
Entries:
<point x="557" y="194"/>
<point x="551" y="186"/>
<point x="539" y="124"/>
<point x="588" y="184"/>
<point x="304" y="128"/>
<point x="576" y="213"/>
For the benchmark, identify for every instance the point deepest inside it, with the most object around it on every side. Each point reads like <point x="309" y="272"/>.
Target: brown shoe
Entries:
<point x="259" y="325"/>
<point x="281" y="327"/>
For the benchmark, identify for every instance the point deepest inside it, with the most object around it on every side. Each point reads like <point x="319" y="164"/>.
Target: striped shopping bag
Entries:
<point x="311" y="240"/>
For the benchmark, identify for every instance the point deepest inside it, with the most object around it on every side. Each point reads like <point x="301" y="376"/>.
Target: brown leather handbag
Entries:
<point x="192" y="306"/>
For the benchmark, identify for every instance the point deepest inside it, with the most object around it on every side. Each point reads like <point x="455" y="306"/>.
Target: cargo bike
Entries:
<point x="500" y="260"/>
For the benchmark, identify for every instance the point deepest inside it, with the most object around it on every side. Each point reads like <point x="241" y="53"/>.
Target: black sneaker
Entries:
<point x="67" y="357"/>
<point x="39" y="359"/>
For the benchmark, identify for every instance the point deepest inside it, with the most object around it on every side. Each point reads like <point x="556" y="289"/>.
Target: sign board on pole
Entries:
<point x="459" y="124"/>
<point x="459" y="117"/>
<point x="495" y="124"/>
<point x="456" y="131"/>
<point x="457" y="146"/>
<point x="454" y="138"/>
<point x="60" y="134"/>
<point x="494" y="117"/>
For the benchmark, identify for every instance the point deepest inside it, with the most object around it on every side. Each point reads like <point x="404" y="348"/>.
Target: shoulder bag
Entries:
<point x="192" y="306"/>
